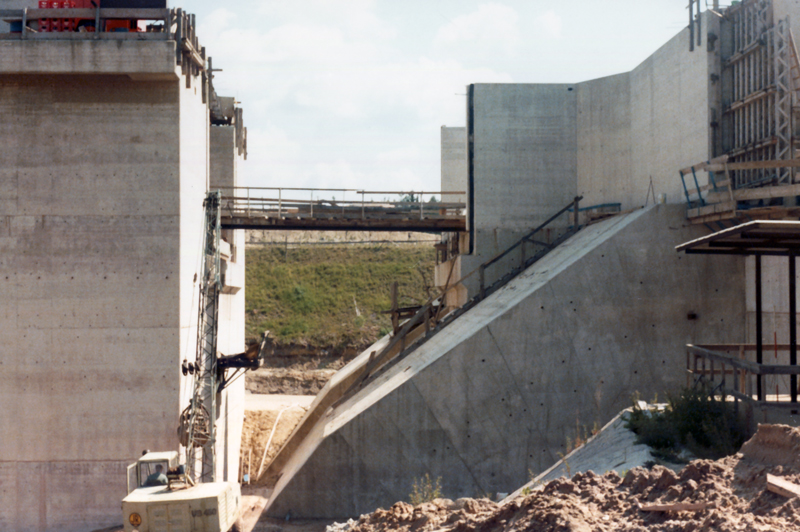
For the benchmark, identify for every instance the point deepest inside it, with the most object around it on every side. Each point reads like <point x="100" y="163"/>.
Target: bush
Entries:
<point x="696" y="420"/>
<point x="425" y="490"/>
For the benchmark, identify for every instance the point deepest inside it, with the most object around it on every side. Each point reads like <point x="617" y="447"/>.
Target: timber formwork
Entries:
<point x="758" y="86"/>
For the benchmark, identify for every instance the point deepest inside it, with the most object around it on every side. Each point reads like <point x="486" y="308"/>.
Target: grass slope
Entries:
<point x="310" y="295"/>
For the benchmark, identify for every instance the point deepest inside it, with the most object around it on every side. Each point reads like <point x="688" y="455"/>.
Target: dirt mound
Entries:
<point x="724" y="495"/>
<point x="258" y="425"/>
<point x="774" y="445"/>
<point x="288" y="381"/>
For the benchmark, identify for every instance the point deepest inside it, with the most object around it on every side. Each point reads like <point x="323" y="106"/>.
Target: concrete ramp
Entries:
<point x="494" y="397"/>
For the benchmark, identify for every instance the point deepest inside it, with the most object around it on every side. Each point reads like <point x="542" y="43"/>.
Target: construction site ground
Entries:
<point x="294" y="375"/>
<point x="724" y="495"/>
<point x="729" y="494"/>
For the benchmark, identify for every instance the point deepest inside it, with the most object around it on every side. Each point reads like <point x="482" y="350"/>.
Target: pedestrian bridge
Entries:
<point x="341" y="210"/>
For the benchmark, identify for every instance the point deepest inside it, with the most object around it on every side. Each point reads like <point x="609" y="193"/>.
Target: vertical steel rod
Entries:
<point x="759" y="327"/>
<point x="792" y="324"/>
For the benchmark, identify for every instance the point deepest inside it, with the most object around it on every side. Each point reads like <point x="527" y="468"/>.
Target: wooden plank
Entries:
<point x="702" y="166"/>
<point x="720" y="183"/>
<point x="676" y="507"/>
<point x="782" y="487"/>
<point x="753" y="165"/>
<point x="743" y="194"/>
<point x="767" y="192"/>
<point x="187" y="47"/>
<point x="711" y="209"/>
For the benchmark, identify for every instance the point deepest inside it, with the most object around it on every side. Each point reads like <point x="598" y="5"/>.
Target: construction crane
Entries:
<point x="166" y="495"/>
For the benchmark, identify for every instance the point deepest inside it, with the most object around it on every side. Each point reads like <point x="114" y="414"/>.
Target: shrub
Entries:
<point x="696" y="420"/>
<point x="425" y="490"/>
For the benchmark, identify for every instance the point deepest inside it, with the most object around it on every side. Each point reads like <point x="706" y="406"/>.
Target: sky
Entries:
<point x="353" y="93"/>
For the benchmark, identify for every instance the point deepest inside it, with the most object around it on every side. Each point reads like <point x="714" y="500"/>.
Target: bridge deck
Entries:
<point x="270" y="213"/>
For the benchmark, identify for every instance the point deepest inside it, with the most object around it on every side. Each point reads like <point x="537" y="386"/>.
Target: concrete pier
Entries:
<point x="103" y="172"/>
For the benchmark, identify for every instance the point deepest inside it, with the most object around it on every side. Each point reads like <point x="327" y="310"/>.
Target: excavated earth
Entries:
<point x="733" y="491"/>
<point x="294" y="375"/>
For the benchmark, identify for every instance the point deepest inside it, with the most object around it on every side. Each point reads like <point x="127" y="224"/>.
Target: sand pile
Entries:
<point x="258" y="425"/>
<point x="730" y="494"/>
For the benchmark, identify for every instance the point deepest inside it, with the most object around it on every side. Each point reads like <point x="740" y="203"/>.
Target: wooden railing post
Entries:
<point x="482" y="277"/>
<point x="575" y="203"/>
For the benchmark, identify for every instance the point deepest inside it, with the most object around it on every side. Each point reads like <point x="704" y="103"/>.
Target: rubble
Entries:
<point x="724" y="495"/>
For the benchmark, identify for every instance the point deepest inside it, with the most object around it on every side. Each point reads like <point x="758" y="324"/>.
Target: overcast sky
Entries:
<point x="352" y="93"/>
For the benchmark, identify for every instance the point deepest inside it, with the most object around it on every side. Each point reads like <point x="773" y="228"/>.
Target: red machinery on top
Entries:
<point x="76" y="24"/>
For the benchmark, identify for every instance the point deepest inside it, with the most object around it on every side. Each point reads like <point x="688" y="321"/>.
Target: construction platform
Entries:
<point x="247" y="208"/>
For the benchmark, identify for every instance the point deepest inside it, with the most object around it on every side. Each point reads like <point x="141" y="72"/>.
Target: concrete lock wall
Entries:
<point x="91" y="272"/>
<point x="523" y="164"/>
<point x="536" y="146"/>
<point x="647" y="123"/>
<point x="497" y="393"/>
<point x="102" y="179"/>
<point x="223" y="164"/>
<point x="454" y="163"/>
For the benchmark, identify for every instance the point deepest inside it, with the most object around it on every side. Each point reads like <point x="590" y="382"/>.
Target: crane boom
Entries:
<point x="198" y="419"/>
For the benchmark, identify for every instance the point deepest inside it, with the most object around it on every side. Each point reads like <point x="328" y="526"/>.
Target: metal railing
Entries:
<point x="250" y="201"/>
<point x="525" y="259"/>
<point x="433" y="317"/>
<point x="727" y="367"/>
<point x="83" y="23"/>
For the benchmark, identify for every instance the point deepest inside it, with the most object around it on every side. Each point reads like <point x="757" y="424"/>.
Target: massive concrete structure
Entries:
<point x="497" y="393"/>
<point x="107" y="156"/>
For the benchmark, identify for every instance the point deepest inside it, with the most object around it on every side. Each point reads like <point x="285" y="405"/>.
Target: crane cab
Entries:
<point x="155" y="504"/>
<point x="145" y="471"/>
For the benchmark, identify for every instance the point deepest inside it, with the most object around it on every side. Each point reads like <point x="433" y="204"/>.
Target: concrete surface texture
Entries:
<point x="102" y="179"/>
<point x="523" y="164"/>
<point x="497" y="393"/>
<point x="536" y="146"/>
<point x="143" y="59"/>
<point x="614" y="448"/>
<point x="647" y="123"/>
<point x="454" y="163"/>
<point x="223" y="163"/>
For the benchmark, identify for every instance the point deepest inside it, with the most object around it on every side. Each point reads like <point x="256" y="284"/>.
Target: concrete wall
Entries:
<point x="454" y="163"/>
<point x="223" y="162"/>
<point x="90" y="267"/>
<point x="142" y="59"/>
<point x="524" y="163"/>
<point x="102" y="180"/>
<point x="605" y="140"/>
<point x="536" y="146"/>
<point x="775" y="304"/>
<point x="497" y="393"/>
<point x="647" y="123"/>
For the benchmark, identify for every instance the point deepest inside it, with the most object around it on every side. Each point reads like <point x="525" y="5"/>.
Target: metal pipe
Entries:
<point x="759" y="327"/>
<point x="792" y="323"/>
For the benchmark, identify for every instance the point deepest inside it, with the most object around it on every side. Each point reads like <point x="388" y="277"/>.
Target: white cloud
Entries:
<point x="492" y="27"/>
<point x="549" y="23"/>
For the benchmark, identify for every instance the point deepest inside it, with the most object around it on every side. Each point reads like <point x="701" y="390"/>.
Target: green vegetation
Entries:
<point x="696" y="420"/>
<point x="425" y="490"/>
<point x="332" y="296"/>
